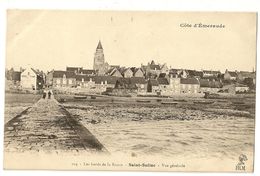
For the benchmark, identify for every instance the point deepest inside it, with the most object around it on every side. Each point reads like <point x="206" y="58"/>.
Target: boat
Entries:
<point x="169" y="103"/>
<point x="203" y="102"/>
<point x="93" y="97"/>
<point x="143" y="101"/>
<point x="238" y="102"/>
<point x="62" y="100"/>
<point x="211" y="95"/>
<point x="80" y="97"/>
<point x="181" y="100"/>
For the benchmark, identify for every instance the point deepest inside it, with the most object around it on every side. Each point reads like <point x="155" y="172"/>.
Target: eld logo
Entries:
<point x="241" y="164"/>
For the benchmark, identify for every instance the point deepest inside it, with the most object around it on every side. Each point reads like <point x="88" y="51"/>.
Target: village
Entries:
<point x="153" y="79"/>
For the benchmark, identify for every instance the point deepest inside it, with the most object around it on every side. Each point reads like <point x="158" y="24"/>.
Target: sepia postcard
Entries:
<point x="130" y="90"/>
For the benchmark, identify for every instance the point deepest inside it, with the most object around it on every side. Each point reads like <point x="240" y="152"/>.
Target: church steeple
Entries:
<point x="99" y="45"/>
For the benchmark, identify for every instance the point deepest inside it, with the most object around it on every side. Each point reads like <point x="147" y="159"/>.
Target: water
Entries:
<point x="173" y="138"/>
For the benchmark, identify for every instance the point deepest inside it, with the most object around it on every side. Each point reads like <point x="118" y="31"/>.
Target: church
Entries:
<point x="100" y="66"/>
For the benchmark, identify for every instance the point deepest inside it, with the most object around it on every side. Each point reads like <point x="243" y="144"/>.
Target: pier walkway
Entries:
<point x="48" y="126"/>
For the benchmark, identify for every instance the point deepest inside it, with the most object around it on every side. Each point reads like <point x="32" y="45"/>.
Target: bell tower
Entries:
<point x="99" y="58"/>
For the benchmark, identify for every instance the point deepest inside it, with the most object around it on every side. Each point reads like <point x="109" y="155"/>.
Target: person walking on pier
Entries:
<point x="44" y="94"/>
<point x="49" y="94"/>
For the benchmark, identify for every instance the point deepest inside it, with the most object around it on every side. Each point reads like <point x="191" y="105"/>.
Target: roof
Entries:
<point x="126" y="69"/>
<point x="59" y="74"/>
<point x="114" y="71"/>
<point x="211" y="72"/>
<point x="109" y="79"/>
<point x="163" y="81"/>
<point x="99" y="45"/>
<point x="195" y="73"/>
<point x="88" y="72"/>
<point x="16" y="76"/>
<point x="126" y="83"/>
<point x="73" y="69"/>
<point x="138" y="80"/>
<point x="114" y="66"/>
<point x="111" y="70"/>
<point x="246" y="74"/>
<point x="189" y="81"/>
<point x="37" y="72"/>
<point x="155" y="67"/>
<point x="162" y="75"/>
<point x="135" y="69"/>
<point x="210" y="84"/>
<point x="153" y="82"/>
<point x="174" y="71"/>
<point x="232" y="74"/>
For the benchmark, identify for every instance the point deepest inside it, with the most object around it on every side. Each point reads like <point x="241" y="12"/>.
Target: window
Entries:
<point x="58" y="81"/>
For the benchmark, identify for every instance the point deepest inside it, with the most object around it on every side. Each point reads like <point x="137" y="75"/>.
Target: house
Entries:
<point x="235" y="88"/>
<point x="125" y="87"/>
<point x="165" y="69"/>
<point x="140" y="83"/>
<point x="183" y="74"/>
<point x="85" y="81"/>
<point x="164" y="86"/>
<point x="179" y="72"/>
<point x="207" y="85"/>
<point x="32" y="79"/>
<point x="210" y="73"/>
<point x="137" y="72"/>
<point x="153" y="86"/>
<point x="127" y="73"/>
<point x="137" y="83"/>
<point x="58" y="78"/>
<point x="125" y="83"/>
<point x="175" y="84"/>
<point x="105" y="81"/>
<point x="230" y="75"/>
<point x="189" y="85"/>
<point x="114" y="72"/>
<point x="242" y="75"/>
<point x="16" y="77"/>
<point x="152" y="70"/>
<point x="96" y="83"/>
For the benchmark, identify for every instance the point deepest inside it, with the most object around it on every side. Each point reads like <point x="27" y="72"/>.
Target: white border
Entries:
<point x="147" y="5"/>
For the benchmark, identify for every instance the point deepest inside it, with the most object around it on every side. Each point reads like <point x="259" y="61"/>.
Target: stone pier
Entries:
<point x="48" y="126"/>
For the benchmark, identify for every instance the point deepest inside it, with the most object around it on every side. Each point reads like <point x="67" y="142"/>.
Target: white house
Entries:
<point x="29" y="79"/>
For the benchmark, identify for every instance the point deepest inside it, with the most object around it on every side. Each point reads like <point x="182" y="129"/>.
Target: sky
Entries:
<point x="49" y="39"/>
